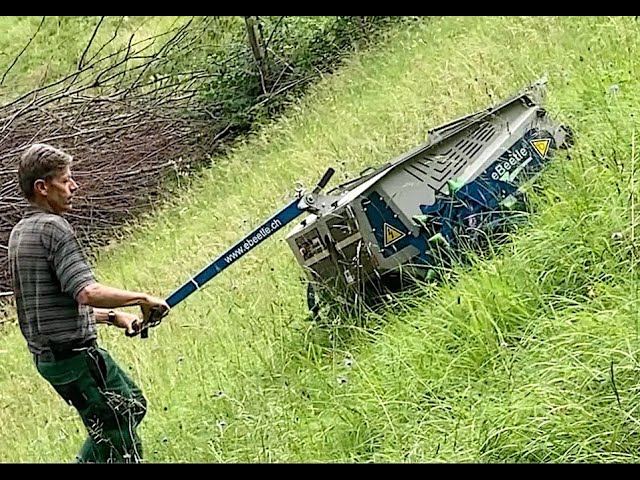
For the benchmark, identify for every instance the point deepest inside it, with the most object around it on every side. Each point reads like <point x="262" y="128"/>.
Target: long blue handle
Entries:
<point x="268" y="228"/>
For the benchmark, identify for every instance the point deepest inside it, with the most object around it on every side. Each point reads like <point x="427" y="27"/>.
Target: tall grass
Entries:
<point x="530" y="355"/>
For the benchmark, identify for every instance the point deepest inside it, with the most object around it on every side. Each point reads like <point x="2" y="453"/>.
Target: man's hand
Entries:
<point x="157" y="302"/>
<point x="131" y="323"/>
<point x="156" y="306"/>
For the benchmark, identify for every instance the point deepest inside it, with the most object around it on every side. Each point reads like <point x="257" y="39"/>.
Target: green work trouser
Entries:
<point x="110" y="404"/>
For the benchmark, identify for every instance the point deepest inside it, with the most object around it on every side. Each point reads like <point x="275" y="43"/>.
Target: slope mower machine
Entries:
<point x="408" y="217"/>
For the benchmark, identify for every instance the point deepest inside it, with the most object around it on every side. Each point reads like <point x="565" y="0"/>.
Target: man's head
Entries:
<point x="44" y="173"/>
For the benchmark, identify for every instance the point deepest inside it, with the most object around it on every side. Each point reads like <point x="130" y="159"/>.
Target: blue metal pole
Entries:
<point x="237" y="251"/>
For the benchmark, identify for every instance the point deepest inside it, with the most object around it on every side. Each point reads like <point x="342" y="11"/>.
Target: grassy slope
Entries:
<point x="530" y="356"/>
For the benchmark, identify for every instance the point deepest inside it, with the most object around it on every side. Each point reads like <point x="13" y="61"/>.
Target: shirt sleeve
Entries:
<point x="68" y="260"/>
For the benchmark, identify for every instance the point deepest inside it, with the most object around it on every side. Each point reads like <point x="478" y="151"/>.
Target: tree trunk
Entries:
<point x="255" y="41"/>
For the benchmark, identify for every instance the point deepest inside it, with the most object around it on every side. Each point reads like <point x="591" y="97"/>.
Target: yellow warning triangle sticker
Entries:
<point x="541" y="145"/>
<point x="392" y="234"/>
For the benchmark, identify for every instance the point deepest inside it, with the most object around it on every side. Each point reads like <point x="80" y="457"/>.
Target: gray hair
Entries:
<point x="40" y="161"/>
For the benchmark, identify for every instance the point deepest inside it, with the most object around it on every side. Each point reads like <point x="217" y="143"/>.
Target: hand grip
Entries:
<point x="137" y="328"/>
<point x="151" y="317"/>
<point x="324" y="180"/>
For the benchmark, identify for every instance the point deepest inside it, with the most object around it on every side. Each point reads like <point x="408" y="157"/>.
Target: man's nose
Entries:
<point x="74" y="185"/>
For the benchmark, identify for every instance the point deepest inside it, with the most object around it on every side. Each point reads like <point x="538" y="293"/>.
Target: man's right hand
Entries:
<point x="154" y="306"/>
<point x="159" y="302"/>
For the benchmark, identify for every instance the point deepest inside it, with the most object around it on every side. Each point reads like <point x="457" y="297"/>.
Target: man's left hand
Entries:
<point x="127" y="321"/>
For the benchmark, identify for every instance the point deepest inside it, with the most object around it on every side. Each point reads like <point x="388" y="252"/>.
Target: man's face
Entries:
<point x="59" y="191"/>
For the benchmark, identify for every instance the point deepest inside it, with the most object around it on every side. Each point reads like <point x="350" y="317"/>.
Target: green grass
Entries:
<point x="528" y="356"/>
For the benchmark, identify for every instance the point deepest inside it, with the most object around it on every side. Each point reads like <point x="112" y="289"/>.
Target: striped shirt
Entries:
<point x="48" y="270"/>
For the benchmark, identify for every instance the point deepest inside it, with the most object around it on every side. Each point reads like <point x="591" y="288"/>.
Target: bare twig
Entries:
<point x="160" y="52"/>
<point x="15" y="60"/>
<point x="273" y="31"/>
<point x="86" y="49"/>
<point x="113" y="37"/>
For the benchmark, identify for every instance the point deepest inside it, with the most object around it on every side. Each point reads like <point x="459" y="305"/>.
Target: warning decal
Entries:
<point x="392" y="235"/>
<point x="541" y="145"/>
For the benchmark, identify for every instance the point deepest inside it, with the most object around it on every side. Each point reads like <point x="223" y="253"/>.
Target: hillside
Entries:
<point x="530" y="355"/>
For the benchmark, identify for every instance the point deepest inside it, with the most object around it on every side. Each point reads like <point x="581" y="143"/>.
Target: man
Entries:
<point x="58" y="304"/>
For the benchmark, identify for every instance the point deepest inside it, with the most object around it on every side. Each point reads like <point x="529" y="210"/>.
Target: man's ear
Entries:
<point x="40" y="186"/>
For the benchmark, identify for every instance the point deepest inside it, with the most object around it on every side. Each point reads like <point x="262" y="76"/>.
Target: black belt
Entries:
<point x="63" y="352"/>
